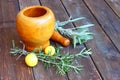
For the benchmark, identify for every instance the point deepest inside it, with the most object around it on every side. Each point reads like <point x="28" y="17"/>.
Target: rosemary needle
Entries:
<point x="63" y="63"/>
<point x="78" y="34"/>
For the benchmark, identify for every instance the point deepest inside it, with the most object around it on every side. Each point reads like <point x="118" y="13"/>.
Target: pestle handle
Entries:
<point x="57" y="37"/>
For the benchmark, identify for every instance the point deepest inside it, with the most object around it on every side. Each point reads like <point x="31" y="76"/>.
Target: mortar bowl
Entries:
<point x="35" y="26"/>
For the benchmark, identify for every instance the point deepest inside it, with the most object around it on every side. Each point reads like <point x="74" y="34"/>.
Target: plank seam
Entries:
<point x="112" y="9"/>
<point x="33" y="77"/>
<point x="67" y="12"/>
<point x="104" y="33"/>
<point x="65" y="8"/>
<point x="18" y="4"/>
<point x="40" y="2"/>
<point x="84" y="45"/>
<point x="101" y="27"/>
<point x="95" y="65"/>
<point x="74" y="26"/>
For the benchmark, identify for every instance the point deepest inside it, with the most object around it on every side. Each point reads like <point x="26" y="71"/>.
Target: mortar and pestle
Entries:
<point x="35" y="26"/>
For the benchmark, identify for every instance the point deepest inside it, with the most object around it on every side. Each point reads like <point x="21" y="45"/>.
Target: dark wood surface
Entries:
<point x="103" y="64"/>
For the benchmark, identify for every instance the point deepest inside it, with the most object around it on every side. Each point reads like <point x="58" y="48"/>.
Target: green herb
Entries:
<point x="62" y="62"/>
<point x="79" y="34"/>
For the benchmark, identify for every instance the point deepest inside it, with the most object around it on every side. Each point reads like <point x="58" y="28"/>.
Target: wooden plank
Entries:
<point x="8" y="11"/>
<point x="39" y="71"/>
<point x="10" y="69"/>
<point x="115" y="5"/>
<point x="107" y="19"/>
<point x="57" y="9"/>
<point x="1" y="13"/>
<point x="25" y="3"/>
<point x="6" y="69"/>
<point x="74" y="8"/>
<point x="105" y="55"/>
<point x="84" y="75"/>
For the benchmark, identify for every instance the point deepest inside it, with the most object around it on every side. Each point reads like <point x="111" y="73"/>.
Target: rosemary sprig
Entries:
<point x="61" y="24"/>
<point x="79" y="34"/>
<point x="62" y="62"/>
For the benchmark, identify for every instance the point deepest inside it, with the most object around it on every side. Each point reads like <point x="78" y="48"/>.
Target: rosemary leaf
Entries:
<point x="58" y="23"/>
<point x="79" y="35"/>
<point x="74" y="41"/>
<point x="13" y="44"/>
<point x="62" y="62"/>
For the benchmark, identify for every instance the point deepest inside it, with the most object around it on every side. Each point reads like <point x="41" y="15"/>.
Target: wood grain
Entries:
<point x="6" y="70"/>
<point x="103" y="64"/>
<point x="39" y="71"/>
<point x="115" y="5"/>
<point x="102" y="46"/>
<point x="58" y="10"/>
<point x="25" y="3"/>
<point x="10" y="68"/>
<point x="8" y="11"/>
<point x="107" y="19"/>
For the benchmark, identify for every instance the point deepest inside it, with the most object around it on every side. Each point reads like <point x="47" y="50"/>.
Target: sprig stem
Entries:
<point x="62" y="62"/>
<point x="78" y="34"/>
<point x="61" y="24"/>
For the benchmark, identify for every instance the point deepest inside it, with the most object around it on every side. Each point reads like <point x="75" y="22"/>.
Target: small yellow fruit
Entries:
<point x="31" y="60"/>
<point x="50" y="50"/>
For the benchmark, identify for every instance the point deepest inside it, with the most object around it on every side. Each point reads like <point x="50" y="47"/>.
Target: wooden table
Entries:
<point x="103" y="64"/>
